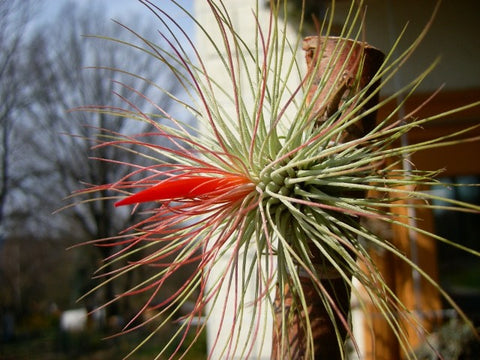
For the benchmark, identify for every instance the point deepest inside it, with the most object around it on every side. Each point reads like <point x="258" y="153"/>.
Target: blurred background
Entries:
<point x="45" y="71"/>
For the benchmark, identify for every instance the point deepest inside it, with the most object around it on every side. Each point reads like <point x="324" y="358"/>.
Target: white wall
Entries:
<point x="241" y="12"/>
<point x="453" y="37"/>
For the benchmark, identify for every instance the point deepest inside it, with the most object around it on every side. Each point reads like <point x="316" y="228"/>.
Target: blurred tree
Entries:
<point x="60" y="64"/>
<point x="14" y="19"/>
<point x="62" y="70"/>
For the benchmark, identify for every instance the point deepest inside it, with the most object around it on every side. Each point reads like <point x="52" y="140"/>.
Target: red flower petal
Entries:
<point x="186" y="188"/>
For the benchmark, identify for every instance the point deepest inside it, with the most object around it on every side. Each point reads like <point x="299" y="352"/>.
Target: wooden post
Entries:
<point x="351" y="66"/>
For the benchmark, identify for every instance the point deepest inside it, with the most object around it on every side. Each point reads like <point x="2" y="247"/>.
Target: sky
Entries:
<point x="115" y="8"/>
<point x="121" y="10"/>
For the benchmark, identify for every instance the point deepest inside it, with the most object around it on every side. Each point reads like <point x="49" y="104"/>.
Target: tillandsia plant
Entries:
<point x="271" y="189"/>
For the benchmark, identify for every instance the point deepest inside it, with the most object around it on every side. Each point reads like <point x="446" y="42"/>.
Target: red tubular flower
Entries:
<point x="227" y="188"/>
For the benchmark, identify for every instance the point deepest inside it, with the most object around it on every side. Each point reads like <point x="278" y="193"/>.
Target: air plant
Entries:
<point x="273" y="186"/>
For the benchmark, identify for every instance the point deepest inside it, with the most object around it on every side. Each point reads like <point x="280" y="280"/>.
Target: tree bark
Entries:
<point x="351" y="65"/>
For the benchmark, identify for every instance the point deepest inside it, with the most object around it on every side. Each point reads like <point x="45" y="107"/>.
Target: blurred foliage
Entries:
<point x="52" y="344"/>
<point x="453" y="341"/>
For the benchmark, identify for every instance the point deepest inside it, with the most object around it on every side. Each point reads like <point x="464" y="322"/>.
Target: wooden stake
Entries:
<point x="351" y="65"/>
